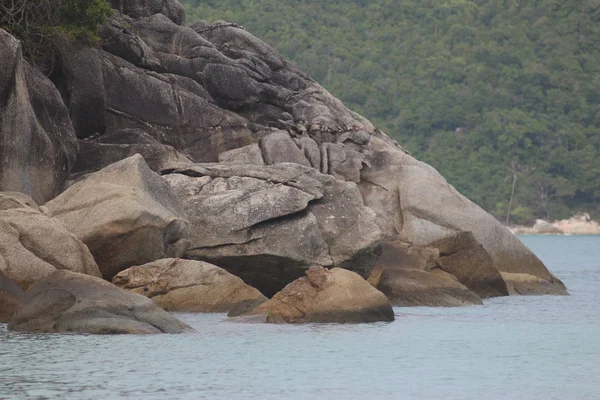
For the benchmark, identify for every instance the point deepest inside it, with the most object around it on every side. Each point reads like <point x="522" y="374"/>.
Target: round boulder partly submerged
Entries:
<point x="336" y="295"/>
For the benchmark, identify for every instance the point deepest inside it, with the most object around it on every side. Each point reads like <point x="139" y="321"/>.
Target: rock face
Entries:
<point x="268" y="224"/>
<point x="413" y="276"/>
<point x="71" y="302"/>
<point x="415" y="204"/>
<point x="33" y="246"/>
<point x="462" y="256"/>
<point x="407" y="287"/>
<point x="301" y="181"/>
<point x="11" y="297"/>
<point x="125" y="214"/>
<point x="336" y="295"/>
<point x="188" y="286"/>
<point x="37" y="141"/>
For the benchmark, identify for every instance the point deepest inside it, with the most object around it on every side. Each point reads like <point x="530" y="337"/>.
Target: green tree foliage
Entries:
<point x="483" y="90"/>
<point x="36" y="22"/>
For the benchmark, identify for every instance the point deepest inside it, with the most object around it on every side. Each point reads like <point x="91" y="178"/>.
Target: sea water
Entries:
<point x="544" y="347"/>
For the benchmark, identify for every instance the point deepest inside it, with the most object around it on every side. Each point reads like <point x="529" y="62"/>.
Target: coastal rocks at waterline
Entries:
<point x="406" y="287"/>
<point x="188" y="286"/>
<point x="526" y="284"/>
<point x="268" y="224"/>
<point x="578" y="224"/>
<point x="413" y="276"/>
<point x="34" y="245"/>
<point x="125" y="214"/>
<point x="71" y="302"/>
<point x="335" y="295"/>
<point x="415" y="204"/>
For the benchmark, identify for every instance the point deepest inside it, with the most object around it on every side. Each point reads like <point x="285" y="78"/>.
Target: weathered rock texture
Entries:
<point x="71" y="302"/>
<point x="37" y="141"/>
<point x="336" y="295"/>
<point x="11" y="297"/>
<point x="411" y="276"/>
<point x="215" y="93"/>
<point x="33" y="246"/>
<point x="125" y="214"/>
<point x="188" y="286"/>
<point x="407" y="287"/>
<point x="268" y="224"/>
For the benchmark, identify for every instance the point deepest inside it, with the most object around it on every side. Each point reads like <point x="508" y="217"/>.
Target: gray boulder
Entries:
<point x="71" y="302"/>
<point x="268" y="224"/>
<point x="11" y="298"/>
<point x="415" y="204"/>
<point x="145" y="8"/>
<point x="407" y="287"/>
<point x="188" y="286"/>
<point x="33" y="246"/>
<point x="38" y="141"/>
<point x="464" y="257"/>
<point x="126" y="215"/>
<point x="336" y="295"/>
<point x="412" y="276"/>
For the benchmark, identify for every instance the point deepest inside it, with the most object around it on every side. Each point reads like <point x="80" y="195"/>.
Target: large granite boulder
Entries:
<point x="11" y="298"/>
<point x="268" y="224"/>
<point x="34" y="245"/>
<point x="214" y="92"/>
<point x="188" y="286"/>
<point x="412" y="276"/>
<point x="71" y="302"/>
<point x="464" y="257"/>
<point x="37" y="141"/>
<point x="125" y="214"/>
<point x="415" y="204"/>
<point x="336" y="295"/>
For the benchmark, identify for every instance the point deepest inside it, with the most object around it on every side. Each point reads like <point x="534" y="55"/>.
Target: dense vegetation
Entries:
<point x="37" y="22"/>
<point x="496" y="94"/>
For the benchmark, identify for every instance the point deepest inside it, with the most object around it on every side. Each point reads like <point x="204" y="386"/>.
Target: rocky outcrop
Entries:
<point x="125" y="214"/>
<point x="336" y="295"/>
<point x="268" y="224"/>
<point x="71" y="302"/>
<point x="406" y="287"/>
<point x="188" y="286"/>
<point x="301" y="181"/>
<point x="37" y="141"/>
<point x="579" y="224"/>
<point x="33" y="246"/>
<point x="464" y="257"/>
<point x="413" y="276"/>
<point x="145" y="8"/>
<point x="11" y="297"/>
<point x="526" y="284"/>
<point x="415" y="204"/>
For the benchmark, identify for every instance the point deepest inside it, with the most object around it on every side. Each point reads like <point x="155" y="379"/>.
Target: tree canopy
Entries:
<point x="36" y="22"/>
<point x="496" y="94"/>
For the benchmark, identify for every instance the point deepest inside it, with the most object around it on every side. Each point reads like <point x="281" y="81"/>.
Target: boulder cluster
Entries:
<point x="193" y="169"/>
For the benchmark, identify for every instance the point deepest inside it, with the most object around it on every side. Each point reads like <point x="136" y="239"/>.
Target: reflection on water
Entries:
<point x="509" y="348"/>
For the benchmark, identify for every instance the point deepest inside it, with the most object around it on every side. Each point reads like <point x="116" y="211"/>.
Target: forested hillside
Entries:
<point x="495" y="94"/>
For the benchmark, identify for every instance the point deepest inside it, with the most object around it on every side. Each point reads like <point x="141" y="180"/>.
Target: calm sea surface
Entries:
<point x="510" y="348"/>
